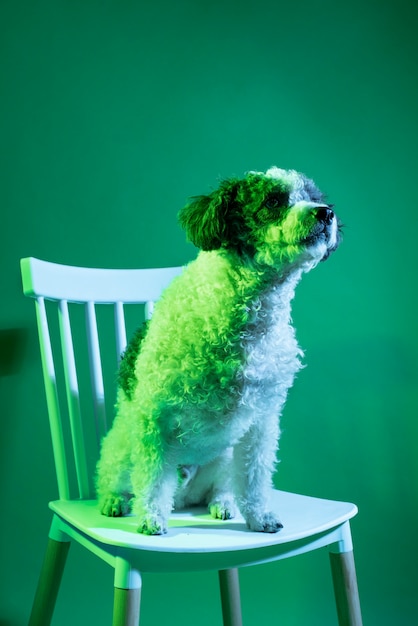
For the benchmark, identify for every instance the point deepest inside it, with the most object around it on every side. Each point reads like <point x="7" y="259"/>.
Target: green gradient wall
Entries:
<point x="111" y="114"/>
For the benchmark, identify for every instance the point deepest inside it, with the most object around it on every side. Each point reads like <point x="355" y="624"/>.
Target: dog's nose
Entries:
<point x="325" y="215"/>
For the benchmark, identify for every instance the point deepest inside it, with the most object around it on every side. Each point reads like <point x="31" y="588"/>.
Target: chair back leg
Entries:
<point x="345" y="588"/>
<point x="49" y="582"/>
<point x="230" y="597"/>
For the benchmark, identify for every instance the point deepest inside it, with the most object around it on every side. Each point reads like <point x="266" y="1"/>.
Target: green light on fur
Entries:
<point x="281" y="243"/>
<point x="126" y="378"/>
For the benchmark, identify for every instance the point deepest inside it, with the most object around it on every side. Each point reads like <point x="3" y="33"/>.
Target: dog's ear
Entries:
<point x="206" y="219"/>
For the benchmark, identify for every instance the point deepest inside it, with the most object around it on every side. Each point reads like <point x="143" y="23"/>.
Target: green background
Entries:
<point x="112" y="114"/>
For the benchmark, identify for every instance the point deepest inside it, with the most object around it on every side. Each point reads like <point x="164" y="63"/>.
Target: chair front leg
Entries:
<point x="127" y="594"/>
<point x="230" y="597"/>
<point x="345" y="581"/>
<point x="49" y="582"/>
<point x="126" y="605"/>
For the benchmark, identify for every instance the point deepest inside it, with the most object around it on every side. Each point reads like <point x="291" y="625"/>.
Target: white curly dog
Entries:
<point x="202" y="386"/>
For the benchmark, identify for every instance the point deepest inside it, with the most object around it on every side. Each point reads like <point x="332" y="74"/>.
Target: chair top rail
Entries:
<point x="54" y="281"/>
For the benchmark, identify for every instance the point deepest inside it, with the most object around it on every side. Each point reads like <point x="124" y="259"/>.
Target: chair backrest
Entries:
<point x="84" y="317"/>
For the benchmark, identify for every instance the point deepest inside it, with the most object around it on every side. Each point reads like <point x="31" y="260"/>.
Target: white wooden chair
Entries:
<point x="194" y="541"/>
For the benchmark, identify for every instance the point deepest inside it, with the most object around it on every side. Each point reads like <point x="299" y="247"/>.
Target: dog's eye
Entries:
<point x="276" y="199"/>
<point x="272" y="203"/>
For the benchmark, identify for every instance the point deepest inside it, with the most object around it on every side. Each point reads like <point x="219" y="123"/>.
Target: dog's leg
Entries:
<point x="209" y="485"/>
<point x="112" y="481"/>
<point x="221" y="505"/>
<point x="221" y="501"/>
<point x="154" y="485"/>
<point x="254" y="461"/>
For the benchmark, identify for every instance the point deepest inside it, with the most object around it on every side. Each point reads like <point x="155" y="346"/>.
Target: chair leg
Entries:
<point x="345" y="589"/>
<point x="127" y="595"/>
<point x="49" y="582"/>
<point x="126" y="607"/>
<point x="230" y="597"/>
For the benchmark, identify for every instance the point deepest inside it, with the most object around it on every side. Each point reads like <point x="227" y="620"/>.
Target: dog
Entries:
<point x="201" y="386"/>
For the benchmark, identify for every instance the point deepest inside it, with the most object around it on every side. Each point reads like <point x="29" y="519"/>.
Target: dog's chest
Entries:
<point x="270" y="360"/>
<point x="270" y="350"/>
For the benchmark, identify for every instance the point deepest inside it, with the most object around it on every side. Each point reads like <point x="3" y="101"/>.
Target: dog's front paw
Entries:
<point x="267" y="522"/>
<point x="152" y="525"/>
<point x="222" y="509"/>
<point x="114" y="505"/>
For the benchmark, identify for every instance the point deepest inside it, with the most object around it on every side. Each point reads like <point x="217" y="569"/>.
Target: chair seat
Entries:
<point x="196" y="541"/>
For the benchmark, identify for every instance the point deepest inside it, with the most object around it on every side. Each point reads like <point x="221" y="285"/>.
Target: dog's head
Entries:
<point x="274" y="218"/>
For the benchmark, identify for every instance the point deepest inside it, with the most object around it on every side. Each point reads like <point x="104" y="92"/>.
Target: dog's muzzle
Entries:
<point x="325" y="228"/>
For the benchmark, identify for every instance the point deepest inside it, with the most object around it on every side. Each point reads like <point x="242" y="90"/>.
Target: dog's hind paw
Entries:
<point x="266" y="523"/>
<point x="114" y="505"/>
<point x="152" y="525"/>
<point x="222" y="509"/>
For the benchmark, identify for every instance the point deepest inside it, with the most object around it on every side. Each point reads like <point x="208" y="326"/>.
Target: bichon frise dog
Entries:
<point x="203" y="384"/>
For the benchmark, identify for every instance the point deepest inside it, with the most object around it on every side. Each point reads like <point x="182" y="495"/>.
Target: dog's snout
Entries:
<point x="325" y="215"/>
